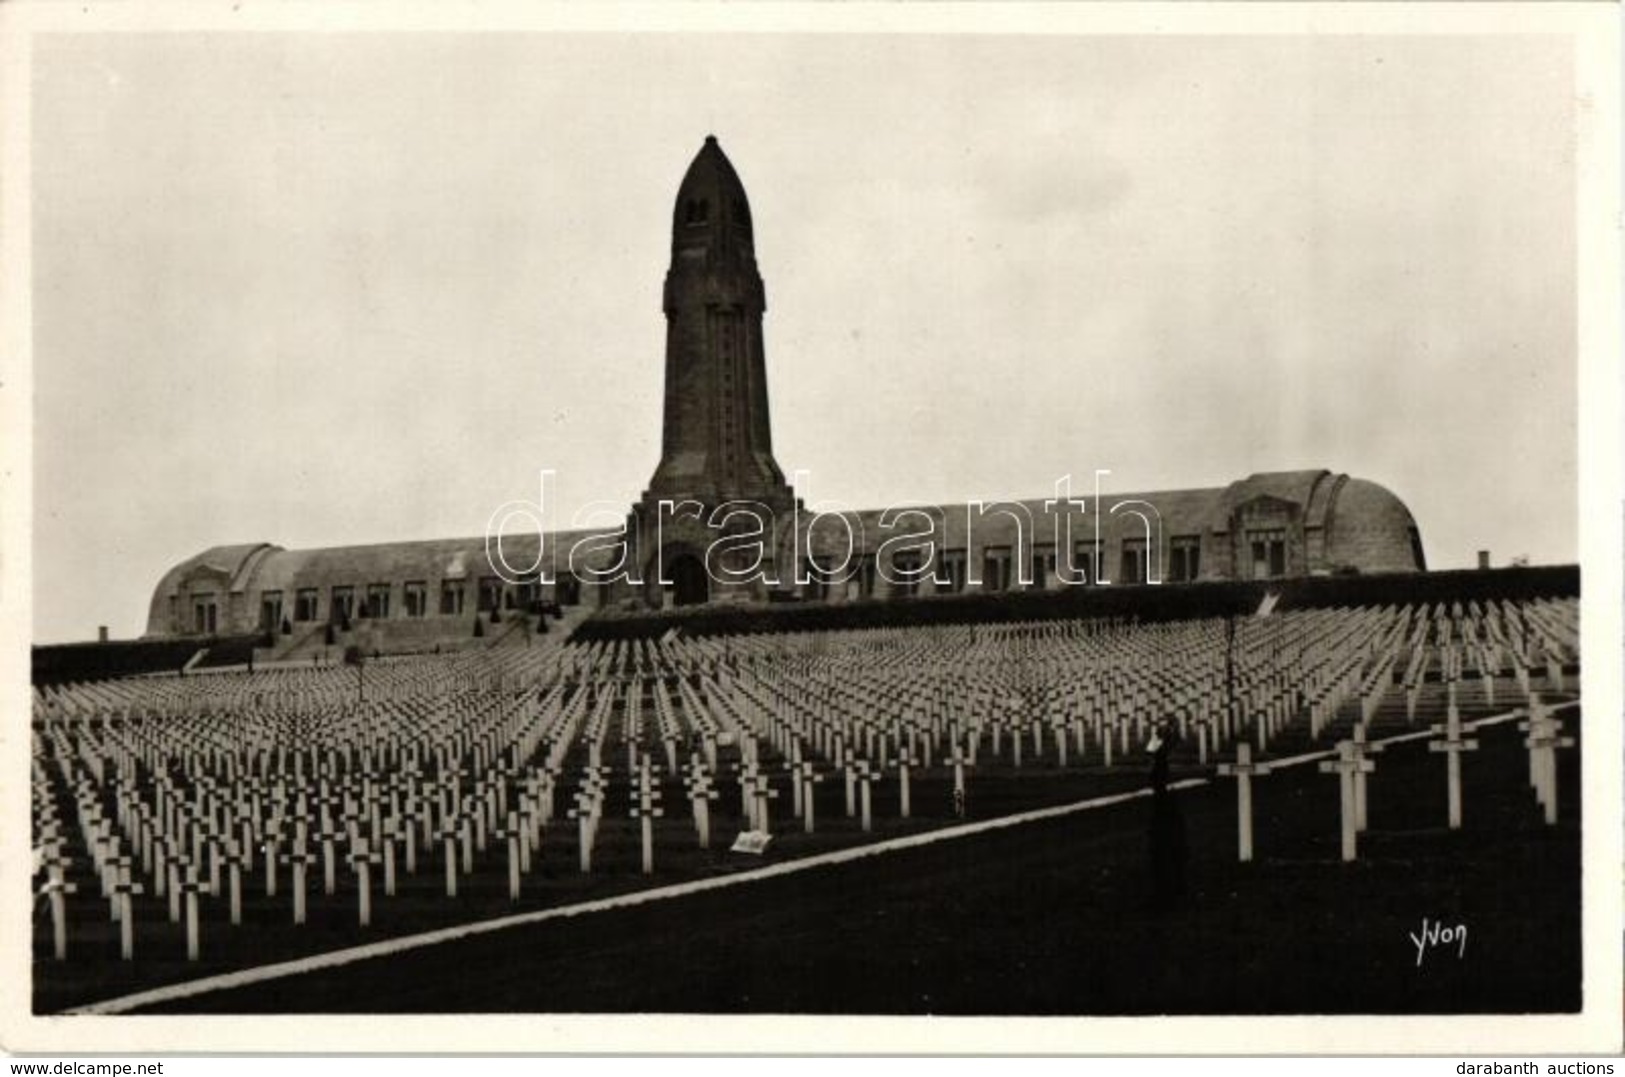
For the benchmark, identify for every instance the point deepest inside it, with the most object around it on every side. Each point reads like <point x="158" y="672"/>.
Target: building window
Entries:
<point x="953" y="571"/>
<point x="415" y="595"/>
<point x="1043" y="567"/>
<point x="451" y="598"/>
<point x="270" y="610"/>
<point x="906" y="572"/>
<point x="342" y="607"/>
<point x="377" y="600"/>
<point x="861" y="584"/>
<point x="1133" y="561"/>
<point x="815" y="589"/>
<point x="996" y="568"/>
<point x="204" y="612"/>
<point x="866" y="576"/>
<point x="1269" y="553"/>
<point x="306" y="605"/>
<point x="1184" y="557"/>
<point x="490" y="593"/>
<point x="1085" y="561"/>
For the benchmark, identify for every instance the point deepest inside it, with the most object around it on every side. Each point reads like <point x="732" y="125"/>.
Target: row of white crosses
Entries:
<point x="50" y="857"/>
<point x="979" y="698"/>
<point x="202" y="828"/>
<point x="799" y="734"/>
<point x="1531" y="639"/>
<point x="992" y="701"/>
<point x="1352" y="764"/>
<point x="95" y="831"/>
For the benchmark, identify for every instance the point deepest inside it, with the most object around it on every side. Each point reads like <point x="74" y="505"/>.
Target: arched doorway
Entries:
<point x="569" y="591"/>
<point x="690" y="583"/>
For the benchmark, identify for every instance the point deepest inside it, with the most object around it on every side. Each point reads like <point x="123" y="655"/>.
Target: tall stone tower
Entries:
<point x="716" y="444"/>
<point x="716" y="441"/>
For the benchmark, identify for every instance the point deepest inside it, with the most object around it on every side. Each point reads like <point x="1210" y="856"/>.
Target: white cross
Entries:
<point x="1545" y="737"/>
<point x="1347" y="764"/>
<point x="1243" y="770"/>
<point x="1454" y="744"/>
<point x="363" y="861"/>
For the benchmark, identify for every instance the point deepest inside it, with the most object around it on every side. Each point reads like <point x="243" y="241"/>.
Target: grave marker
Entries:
<point x="1545" y="737"/>
<point x="866" y="778"/>
<point x="191" y="886"/>
<point x="1362" y="750"/>
<point x="125" y="888"/>
<point x="54" y="890"/>
<point x="448" y="835"/>
<point x="514" y="835"/>
<point x="1454" y="743"/>
<point x="236" y="859"/>
<point x="959" y="760"/>
<point x="1347" y="764"/>
<point x="1243" y="770"/>
<point x="363" y="860"/>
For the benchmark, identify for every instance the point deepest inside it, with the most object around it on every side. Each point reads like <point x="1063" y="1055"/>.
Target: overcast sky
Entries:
<point x="320" y="289"/>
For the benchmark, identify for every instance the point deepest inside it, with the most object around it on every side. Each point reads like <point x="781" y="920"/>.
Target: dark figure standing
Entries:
<point x="1168" y="850"/>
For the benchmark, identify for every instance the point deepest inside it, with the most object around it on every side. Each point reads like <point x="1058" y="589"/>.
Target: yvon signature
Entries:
<point x="1437" y="936"/>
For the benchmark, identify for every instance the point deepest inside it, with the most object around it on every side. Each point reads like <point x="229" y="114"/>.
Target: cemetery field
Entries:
<point x="267" y="934"/>
<point x="1046" y="918"/>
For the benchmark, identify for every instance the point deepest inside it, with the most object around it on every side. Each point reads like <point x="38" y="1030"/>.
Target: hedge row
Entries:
<point x="59" y="663"/>
<point x="1164" y="602"/>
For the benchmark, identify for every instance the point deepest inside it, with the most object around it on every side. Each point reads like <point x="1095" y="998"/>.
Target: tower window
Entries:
<point x="697" y="211"/>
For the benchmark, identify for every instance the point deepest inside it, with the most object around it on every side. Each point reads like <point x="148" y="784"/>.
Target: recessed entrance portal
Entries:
<point x="690" y="585"/>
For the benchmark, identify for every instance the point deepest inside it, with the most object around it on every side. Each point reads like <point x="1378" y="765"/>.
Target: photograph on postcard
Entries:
<point x="1132" y="566"/>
